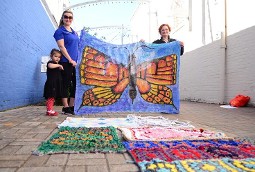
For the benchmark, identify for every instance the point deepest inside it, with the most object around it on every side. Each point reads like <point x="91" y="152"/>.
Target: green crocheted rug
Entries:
<point x="82" y="140"/>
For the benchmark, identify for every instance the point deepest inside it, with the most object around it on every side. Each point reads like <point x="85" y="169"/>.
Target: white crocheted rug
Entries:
<point x="129" y="121"/>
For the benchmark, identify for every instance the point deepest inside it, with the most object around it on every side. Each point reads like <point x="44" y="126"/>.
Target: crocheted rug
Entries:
<point x="217" y="165"/>
<point x="82" y="140"/>
<point x="189" y="149"/>
<point x="166" y="133"/>
<point x="97" y="122"/>
<point x="129" y="121"/>
<point x="158" y="121"/>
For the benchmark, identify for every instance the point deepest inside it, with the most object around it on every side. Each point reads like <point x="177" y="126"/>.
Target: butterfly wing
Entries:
<point x="107" y="78"/>
<point x="153" y="78"/>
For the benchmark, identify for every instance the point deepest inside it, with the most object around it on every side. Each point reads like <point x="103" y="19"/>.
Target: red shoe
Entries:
<point x="52" y="113"/>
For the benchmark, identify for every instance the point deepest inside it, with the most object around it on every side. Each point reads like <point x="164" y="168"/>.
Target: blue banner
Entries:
<point x="137" y="77"/>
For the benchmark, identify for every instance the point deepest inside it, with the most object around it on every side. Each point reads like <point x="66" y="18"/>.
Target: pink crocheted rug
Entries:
<point x="164" y="134"/>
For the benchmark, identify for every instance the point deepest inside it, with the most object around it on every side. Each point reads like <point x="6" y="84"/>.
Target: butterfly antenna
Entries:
<point x="122" y="47"/>
<point x="142" y="47"/>
<point x="175" y="107"/>
<point x="79" y="108"/>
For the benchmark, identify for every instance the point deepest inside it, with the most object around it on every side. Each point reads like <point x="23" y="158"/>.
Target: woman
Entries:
<point x="164" y="31"/>
<point x="67" y="40"/>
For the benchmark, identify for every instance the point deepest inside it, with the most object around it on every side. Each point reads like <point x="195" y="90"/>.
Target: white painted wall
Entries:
<point x="240" y="68"/>
<point x="203" y="78"/>
<point x="200" y="74"/>
<point x="207" y="75"/>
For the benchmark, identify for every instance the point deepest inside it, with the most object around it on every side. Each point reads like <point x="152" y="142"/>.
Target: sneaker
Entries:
<point x="67" y="111"/>
<point x="72" y="108"/>
<point x="52" y="113"/>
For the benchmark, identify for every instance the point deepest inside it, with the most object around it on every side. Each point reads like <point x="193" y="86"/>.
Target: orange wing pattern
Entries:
<point x="152" y="78"/>
<point x="108" y="78"/>
<point x="111" y="79"/>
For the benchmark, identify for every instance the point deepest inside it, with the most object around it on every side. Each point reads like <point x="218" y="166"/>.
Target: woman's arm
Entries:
<point x="62" y="48"/>
<point x="182" y="47"/>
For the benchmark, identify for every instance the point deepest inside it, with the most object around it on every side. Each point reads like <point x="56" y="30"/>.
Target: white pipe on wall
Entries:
<point x="203" y="22"/>
<point x="190" y="15"/>
<point x="224" y="55"/>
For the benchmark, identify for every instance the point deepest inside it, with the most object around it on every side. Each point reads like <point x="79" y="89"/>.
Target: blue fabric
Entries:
<point x="71" y="41"/>
<point x="137" y="77"/>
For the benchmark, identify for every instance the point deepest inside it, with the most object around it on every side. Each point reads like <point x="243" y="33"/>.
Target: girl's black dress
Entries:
<point x="53" y="84"/>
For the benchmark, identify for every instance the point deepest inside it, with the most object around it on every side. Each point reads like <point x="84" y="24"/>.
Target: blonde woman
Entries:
<point x="67" y="40"/>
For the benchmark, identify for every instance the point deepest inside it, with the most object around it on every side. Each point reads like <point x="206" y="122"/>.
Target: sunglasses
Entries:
<point x="68" y="17"/>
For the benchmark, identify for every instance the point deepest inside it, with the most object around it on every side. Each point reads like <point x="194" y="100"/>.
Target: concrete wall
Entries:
<point x="208" y="75"/>
<point x="26" y="36"/>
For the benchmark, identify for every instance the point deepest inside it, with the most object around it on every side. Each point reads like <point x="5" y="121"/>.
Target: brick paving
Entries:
<point x="23" y="129"/>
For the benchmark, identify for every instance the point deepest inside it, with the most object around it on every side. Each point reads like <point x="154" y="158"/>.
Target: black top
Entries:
<point x="160" y="41"/>
<point x="53" y="84"/>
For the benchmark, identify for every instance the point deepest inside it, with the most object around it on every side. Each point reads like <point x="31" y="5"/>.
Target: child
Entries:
<point x="53" y="84"/>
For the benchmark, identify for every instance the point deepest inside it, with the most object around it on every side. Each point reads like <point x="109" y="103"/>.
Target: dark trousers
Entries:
<point x="69" y="80"/>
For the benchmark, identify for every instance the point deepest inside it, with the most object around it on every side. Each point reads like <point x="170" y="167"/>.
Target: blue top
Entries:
<point x="71" y="41"/>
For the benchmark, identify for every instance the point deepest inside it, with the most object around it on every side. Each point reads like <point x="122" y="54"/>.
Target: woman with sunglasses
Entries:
<point x="67" y="40"/>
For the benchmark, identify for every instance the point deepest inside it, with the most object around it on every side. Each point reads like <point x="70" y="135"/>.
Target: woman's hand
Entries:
<point x="182" y="44"/>
<point x="73" y="63"/>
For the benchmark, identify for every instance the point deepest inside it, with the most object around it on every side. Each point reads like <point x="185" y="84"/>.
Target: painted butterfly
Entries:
<point x="109" y="79"/>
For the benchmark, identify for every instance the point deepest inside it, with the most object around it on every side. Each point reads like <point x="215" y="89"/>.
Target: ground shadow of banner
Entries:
<point x="138" y="77"/>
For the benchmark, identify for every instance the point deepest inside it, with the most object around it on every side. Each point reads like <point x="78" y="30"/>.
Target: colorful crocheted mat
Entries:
<point x="189" y="149"/>
<point x="215" y="165"/>
<point x="166" y="133"/>
<point x="82" y="140"/>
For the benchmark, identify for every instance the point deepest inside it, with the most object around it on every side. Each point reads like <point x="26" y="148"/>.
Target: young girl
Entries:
<point x="53" y="84"/>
